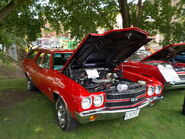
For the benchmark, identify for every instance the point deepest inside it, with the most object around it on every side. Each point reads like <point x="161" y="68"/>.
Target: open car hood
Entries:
<point x="108" y="49"/>
<point x="166" y="52"/>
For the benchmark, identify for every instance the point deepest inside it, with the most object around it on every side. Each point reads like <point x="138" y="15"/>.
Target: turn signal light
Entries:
<point x="92" y="117"/>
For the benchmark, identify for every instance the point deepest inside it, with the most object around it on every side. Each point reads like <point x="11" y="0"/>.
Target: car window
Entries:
<point x="180" y="58"/>
<point x="32" y="54"/>
<point x="39" y="58"/>
<point x="59" y="59"/>
<point x="46" y="61"/>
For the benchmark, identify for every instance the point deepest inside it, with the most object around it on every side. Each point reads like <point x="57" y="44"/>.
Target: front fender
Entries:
<point x="136" y="77"/>
<point x="70" y="92"/>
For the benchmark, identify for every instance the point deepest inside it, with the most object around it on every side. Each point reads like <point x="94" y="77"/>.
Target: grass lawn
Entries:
<point x="34" y="118"/>
<point x="13" y="84"/>
<point x="10" y="70"/>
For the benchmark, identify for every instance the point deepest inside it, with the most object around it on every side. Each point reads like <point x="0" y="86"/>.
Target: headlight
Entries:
<point x="158" y="89"/>
<point x="122" y="87"/>
<point x="86" y="102"/>
<point x="98" y="100"/>
<point x="151" y="90"/>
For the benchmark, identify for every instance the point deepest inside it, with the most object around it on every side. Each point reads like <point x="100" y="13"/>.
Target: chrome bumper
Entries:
<point x="102" y="114"/>
<point x="175" y="84"/>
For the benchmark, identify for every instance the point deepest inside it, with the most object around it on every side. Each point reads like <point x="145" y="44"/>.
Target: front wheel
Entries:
<point x="65" y="121"/>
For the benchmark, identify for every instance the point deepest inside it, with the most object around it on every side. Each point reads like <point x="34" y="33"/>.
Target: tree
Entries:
<point x="82" y="16"/>
<point x="21" y="21"/>
<point x="160" y="16"/>
<point x="124" y="10"/>
<point x="24" y="20"/>
<point x="7" y="8"/>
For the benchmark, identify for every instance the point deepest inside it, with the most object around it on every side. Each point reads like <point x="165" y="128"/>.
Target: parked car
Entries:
<point x="160" y="65"/>
<point x="88" y="86"/>
<point x="180" y="58"/>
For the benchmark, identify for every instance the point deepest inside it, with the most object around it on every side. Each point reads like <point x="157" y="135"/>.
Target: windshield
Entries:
<point x="139" y="54"/>
<point x="59" y="59"/>
<point x="180" y="58"/>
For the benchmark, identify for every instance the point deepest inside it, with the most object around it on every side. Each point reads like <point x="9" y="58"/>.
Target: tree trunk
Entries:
<point x="7" y="9"/>
<point x="124" y="10"/>
<point x="138" y="12"/>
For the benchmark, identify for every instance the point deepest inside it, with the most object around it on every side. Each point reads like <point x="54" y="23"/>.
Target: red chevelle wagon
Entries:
<point x="160" y="65"/>
<point x="86" y="84"/>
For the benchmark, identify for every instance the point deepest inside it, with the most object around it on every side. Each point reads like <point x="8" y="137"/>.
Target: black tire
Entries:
<point x="31" y="86"/>
<point x="65" y="121"/>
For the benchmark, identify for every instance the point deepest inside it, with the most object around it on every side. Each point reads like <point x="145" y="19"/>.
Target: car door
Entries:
<point x="36" y="72"/>
<point x="45" y="80"/>
<point x="29" y="64"/>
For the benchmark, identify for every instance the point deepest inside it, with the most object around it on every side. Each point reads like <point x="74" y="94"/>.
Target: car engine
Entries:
<point x="105" y="80"/>
<point x="120" y="93"/>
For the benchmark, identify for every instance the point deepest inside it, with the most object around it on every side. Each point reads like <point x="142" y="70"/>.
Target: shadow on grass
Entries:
<point x="35" y="118"/>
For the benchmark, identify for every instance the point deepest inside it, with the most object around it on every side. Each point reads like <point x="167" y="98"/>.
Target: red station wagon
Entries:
<point x="86" y="84"/>
<point x="161" y="65"/>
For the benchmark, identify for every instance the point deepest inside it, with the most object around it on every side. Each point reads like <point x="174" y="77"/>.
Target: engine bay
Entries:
<point x="103" y="79"/>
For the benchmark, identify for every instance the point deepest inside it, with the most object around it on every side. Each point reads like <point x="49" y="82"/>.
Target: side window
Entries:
<point x="39" y="59"/>
<point x="46" y="61"/>
<point x="32" y="54"/>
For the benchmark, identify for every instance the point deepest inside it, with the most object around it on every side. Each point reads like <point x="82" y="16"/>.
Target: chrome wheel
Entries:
<point x="29" y="85"/>
<point x="61" y="113"/>
<point x="65" y="121"/>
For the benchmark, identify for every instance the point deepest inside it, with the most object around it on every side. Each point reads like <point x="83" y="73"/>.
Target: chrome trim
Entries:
<point x="117" y="100"/>
<point x="122" y="100"/>
<point x="56" y="92"/>
<point x="175" y="84"/>
<point x="99" y="111"/>
<point x="124" y="93"/>
<point x="144" y="99"/>
<point x="83" y="117"/>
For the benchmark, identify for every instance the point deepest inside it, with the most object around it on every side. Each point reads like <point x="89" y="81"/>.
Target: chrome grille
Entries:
<point x="182" y="76"/>
<point x="125" y="99"/>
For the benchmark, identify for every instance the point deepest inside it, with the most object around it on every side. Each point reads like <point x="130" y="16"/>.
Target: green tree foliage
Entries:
<point x="22" y="24"/>
<point x="155" y="16"/>
<point x="81" y="16"/>
<point x="161" y="16"/>
<point x="24" y="21"/>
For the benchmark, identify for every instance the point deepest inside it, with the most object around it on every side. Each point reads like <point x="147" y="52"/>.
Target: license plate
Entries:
<point x="131" y="114"/>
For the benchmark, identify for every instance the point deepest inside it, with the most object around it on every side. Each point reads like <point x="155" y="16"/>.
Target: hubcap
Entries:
<point x="61" y="113"/>
<point x="29" y="85"/>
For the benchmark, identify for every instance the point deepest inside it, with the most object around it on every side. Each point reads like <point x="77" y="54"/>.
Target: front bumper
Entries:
<point x="175" y="84"/>
<point x="102" y="114"/>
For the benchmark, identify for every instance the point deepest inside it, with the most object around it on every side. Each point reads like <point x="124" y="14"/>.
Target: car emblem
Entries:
<point x="134" y="99"/>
